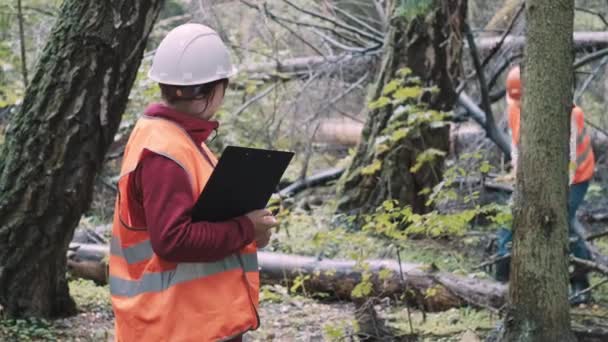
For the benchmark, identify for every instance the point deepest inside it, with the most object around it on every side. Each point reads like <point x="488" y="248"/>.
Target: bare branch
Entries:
<point x="594" y="266"/>
<point x="498" y="137"/>
<point x="339" y="97"/>
<point x="277" y="18"/>
<point x="302" y="39"/>
<point x="255" y="99"/>
<point x="497" y="47"/>
<point x="598" y="14"/>
<point x="349" y="28"/>
<point x="589" y="289"/>
<point x="597" y="235"/>
<point x="591" y="58"/>
<point x="589" y="79"/>
<point x="358" y="21"/>
<point x="485" y="98"/>
<point x="490" y="126"/>
<point x="336" y="43"/>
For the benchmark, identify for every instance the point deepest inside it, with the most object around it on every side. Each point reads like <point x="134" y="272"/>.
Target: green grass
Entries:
<point x="447" y="325"/>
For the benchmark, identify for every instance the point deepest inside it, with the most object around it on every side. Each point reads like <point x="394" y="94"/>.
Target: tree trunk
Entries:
<point x="56" y="144"/>
<point x="430" y="44"/>
<point x="539" y="308"/>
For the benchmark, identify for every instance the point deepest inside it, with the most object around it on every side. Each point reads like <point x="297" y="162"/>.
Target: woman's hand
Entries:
<point x="263" y="222"/>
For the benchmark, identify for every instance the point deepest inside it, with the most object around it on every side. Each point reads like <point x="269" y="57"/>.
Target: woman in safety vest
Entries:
<point x="581" y="158"/>
<point x="172" y="279"/>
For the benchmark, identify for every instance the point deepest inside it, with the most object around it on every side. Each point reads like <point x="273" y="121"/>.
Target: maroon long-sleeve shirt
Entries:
<point x="161" y="200"/>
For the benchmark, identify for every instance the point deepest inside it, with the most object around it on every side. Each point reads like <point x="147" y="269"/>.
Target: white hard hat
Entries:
<point x="191" y="54"/>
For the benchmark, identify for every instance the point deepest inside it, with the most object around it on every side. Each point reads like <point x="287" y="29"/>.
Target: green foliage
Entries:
<point x="28" y="329"/>
<point x="410" y="9"/>
<point x="335" y="331"/>
<point x="397" y="223"/>
<point x="269" y="294"/>
<point x="365" y="286"/>
<point x="372" y="168"/>
<point x="428" y="156"/>
<point x="298" y="284"/>
<point x="409" y="117"/>
<point x="89" y="296"/>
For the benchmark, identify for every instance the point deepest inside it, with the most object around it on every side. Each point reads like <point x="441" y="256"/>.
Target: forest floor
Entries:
<point x="288" y="315"/>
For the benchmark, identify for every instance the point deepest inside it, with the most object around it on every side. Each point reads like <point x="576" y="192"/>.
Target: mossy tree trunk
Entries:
<point x="538" y="295"/>
<point x="56" y="144"/>
<point x="429" y="42"/>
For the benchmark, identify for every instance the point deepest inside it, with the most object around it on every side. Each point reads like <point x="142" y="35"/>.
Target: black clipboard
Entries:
<point x="244" y="179"/>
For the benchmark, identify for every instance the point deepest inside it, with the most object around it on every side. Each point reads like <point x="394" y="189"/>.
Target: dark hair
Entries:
<point x="173" y="93"/>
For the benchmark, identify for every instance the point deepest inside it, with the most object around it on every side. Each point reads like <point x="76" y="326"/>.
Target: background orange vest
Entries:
<point x="585" y="159"/>
<point x="156" y="300"/>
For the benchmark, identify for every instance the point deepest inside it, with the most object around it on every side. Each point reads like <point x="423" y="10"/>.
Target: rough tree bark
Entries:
<point x="538" y="294"/>
<point x="57" y="141"/>
<point x="430" y="44"/>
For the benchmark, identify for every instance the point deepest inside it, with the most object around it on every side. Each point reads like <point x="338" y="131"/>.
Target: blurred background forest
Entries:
<point x="307" y="71"/>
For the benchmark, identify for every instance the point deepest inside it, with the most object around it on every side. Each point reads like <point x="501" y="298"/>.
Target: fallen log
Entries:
<point x="582" y="40"/>
<point x="426" y="287"/>
<point x="320" y="178"/>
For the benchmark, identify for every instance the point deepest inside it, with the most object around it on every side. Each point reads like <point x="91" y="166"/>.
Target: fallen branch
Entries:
<point x="480" y="117"/>
<point x="432" y="290"/>
<point x="492" y="261"/>
<point x="596" y="236"/>
<point x="315" y="180"/>
<point x="591" y="265"/>
<point x="582" y="40"/>
<point x="303" y="65"/>
<point x="589" y="289"/>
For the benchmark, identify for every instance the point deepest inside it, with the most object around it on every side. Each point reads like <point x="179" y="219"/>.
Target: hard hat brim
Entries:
<point x="165" y="80"/>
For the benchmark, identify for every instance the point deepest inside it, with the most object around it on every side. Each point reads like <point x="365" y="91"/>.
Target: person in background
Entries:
<point x="582" y="166"/>
<point x="172" y="279"/>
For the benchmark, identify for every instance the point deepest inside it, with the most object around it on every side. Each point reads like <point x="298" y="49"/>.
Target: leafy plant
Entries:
<point x="28" y="329"/>
<point x="410" y="9"/>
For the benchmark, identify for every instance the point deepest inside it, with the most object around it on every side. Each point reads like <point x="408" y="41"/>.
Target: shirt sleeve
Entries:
<point x="167" y="201"/>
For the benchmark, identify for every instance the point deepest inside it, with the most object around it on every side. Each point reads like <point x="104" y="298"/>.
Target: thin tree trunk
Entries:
<point x="539" y="308"/>
<point x="22" y="43"/>
<point x="430" y="44"/>
<point x="56" y="144"/>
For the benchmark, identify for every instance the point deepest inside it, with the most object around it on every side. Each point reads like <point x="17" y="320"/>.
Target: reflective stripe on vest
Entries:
<point x="133" y="254"/>
<point x="584" y="155"/>
<point x="154" y="282"/>
<point x="581" y="137"/>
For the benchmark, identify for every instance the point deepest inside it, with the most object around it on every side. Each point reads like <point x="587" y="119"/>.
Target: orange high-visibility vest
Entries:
<point x="157" y="300"/>
<point x="585" y="159"/>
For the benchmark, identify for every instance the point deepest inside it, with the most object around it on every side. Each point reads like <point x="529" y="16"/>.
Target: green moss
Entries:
<point x="89" y="296"/>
